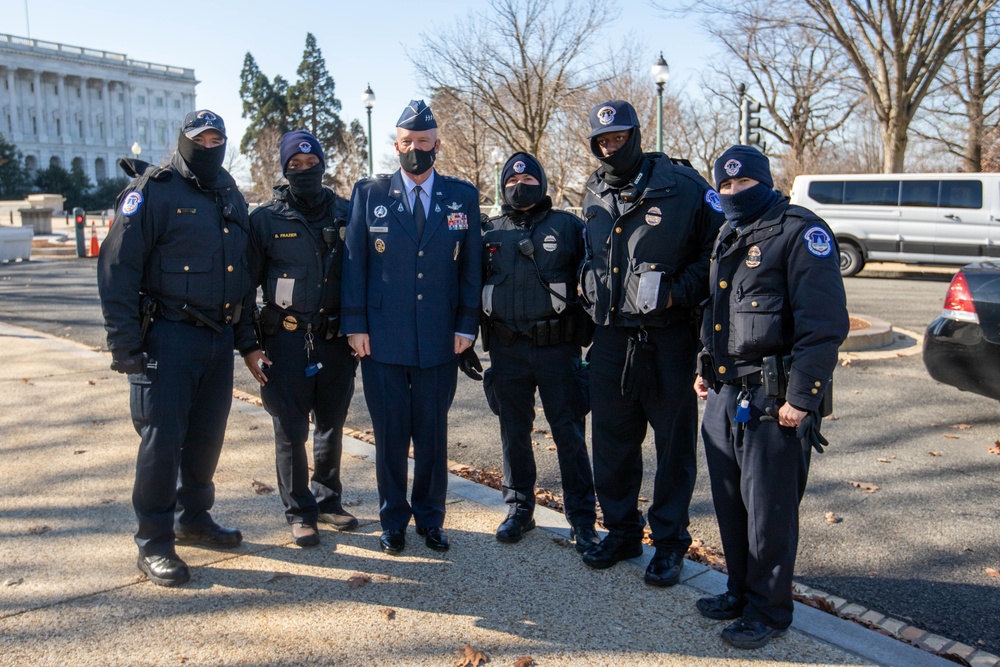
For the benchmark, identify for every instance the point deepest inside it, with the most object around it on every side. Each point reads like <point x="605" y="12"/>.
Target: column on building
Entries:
<point x="129" y="126"/>
<point x="67" y="121"/>
<point x="41" y="135"/>
<point x="15" y="105"/>
<point x="88" y="118"/>
<point x="109" y="125"/>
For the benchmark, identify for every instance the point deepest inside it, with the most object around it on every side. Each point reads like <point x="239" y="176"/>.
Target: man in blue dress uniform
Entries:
<point x="410" y="307"/>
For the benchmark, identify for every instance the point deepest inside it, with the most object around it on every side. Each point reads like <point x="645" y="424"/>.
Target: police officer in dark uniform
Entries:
<point x="172" y="278"/>
<point x="650" y="226"/>
<point x="771" y="332"/>
<point x="306" y="366"/>
<point x="410" y="308"/>
<point x="533" y="330"/>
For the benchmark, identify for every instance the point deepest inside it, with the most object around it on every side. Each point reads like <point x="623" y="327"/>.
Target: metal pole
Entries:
<point x="659" y="118"/>
<point x="371" y="170"/>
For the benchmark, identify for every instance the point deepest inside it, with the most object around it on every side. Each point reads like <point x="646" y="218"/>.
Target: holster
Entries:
<point x="774" y="376"/>
<point x="270" y="320"/>
<point x="639" y="378"/>
<point x="330" y="327"/>
<point x="706" y="369"/>
<point x="485" y="335"/>
<point x="148" y="308"/>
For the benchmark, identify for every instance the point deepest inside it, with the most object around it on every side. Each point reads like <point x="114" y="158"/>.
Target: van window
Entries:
<point x="961" y="194"/>
<point x="919" y="193"/>
<point x="871" y="193"/>
<point x="827" y="192"/>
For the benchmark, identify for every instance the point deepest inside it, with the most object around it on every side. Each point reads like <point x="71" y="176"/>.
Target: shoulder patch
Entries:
<point x="818" y="241"/>
<point x="131" y="203"/>
<point x="712" y="199"/>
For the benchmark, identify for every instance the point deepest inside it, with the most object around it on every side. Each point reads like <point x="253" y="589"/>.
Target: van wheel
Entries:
<point x="851" y="260"/>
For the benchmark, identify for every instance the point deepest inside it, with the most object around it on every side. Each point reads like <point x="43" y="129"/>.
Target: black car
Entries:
<point x="962" y="346"/>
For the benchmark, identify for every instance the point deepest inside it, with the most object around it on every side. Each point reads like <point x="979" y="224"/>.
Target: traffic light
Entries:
<point x="79" y="217"/>
<point x="750" y="124"/>
<point x="80" y="220"/>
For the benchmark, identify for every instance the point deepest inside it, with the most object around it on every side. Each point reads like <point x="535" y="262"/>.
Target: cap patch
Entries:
<point x="305" y="147"/>
<point x="733" y="167"/>
<point x="606" y="115"/>
<point x="818" y="241"/>
<point x="208" y="115"/>
<point x="519" y="167"/>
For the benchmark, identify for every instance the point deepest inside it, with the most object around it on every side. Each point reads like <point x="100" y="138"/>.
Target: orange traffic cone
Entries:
<point x="95" y="247"/>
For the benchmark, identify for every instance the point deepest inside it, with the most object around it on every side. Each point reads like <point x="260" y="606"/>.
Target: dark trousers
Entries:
<point x="180" y="409"/>
<point x="517" y="370"/>
<point x="290" y="397"/>
<point x="619" y="427"/>
<point x="758" y="476"/>
<point x="408" y="402"/>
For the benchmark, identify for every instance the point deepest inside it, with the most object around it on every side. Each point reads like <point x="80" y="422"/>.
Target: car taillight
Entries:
<point x="958" y="304"/>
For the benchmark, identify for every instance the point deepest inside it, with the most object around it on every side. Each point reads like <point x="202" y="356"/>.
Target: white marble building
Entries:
<point x="71" y="105"/>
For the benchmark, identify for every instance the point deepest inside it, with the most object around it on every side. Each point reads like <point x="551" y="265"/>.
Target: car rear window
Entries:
<point x="961" y="194"/>
<point x="871" y="193"/>
<point x="827" y="192"/>
<point x="919" y="193"/>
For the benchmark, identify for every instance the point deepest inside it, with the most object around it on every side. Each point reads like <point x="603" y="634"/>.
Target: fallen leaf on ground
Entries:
<point x="551" y="448"/>
<point x="867" y="487"/>
<point x="524" y="661"/>
<point x="38" y="530"/>
<point x="561" y="541"/>
<point x="274" y="576"/>
<point x="360" y="457"/>
<point x="262" y="488"/>
<point x="995" y="449"/>
<point x="884" y="460"/>
<point x="105" y="501"/>
<point x="950" y="436"/>
<point x="817" y="602"/>
<point x="253" y="427"/>
<point x="79" y="451"/>
<point x="934" y="453"/>
<point x="993" y="572"/>
<point x="353" y="502"/>
<point x="13" y="582"/>
<point x="832" y="518"/>
<point x="856" y="391"/>
<point x="358" y="580"/>
<point x="643" y="499"/>
<point x="967" y="549"/>
<point x="26" y="380"/>
<point x="91" y="381"/>
<point x="962" y="427"/>
<point x="699" y="552"/>
<point x="845" y="363"/>
<point x="535" y="429"/>
<point x="388" y="614"/>
<point x="470" y="657"/>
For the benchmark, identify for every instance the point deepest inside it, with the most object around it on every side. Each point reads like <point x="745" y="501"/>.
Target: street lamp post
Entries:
<point x="136" y="149"/>
<point x="368" y="97"/>
<point x="661" y="74"/>
<point x="497" y="156"/>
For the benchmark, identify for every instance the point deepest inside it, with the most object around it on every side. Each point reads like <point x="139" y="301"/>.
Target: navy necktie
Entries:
<point x="419" y="215"/>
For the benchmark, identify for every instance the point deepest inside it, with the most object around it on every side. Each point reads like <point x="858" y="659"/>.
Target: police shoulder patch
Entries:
<point x="818" y="241"/>
<point x="131" y="203"/>
<point x="712" y="199"/>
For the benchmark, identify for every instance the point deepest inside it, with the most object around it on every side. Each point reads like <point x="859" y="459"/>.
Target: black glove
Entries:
<point x="129" y="363"/>
<point x="469" y="363"/>
<point x="808" y="432"/>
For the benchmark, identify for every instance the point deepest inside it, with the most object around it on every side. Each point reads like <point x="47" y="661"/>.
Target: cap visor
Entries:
<point x="609" y="129"/>
<point x="194" y="132"/>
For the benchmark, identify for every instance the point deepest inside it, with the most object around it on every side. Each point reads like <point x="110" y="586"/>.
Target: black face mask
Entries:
<point x="746" y="206"/>
<point x="306" y="185"/>
<point x="416" y="161"/>
<point x="626" y="162"/>
<point x="204" y="163"/>
<point x="522" y="196"/>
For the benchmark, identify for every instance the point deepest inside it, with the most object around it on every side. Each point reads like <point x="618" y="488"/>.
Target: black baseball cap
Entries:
<point x="612" y="116"/>
<point x="199" y="121"/>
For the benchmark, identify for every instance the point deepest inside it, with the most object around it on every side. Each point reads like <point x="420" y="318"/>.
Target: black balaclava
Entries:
<point x="204" y="163"/>
<point x="306" y="193"/>
<point x="624" y="164"/>
<point x="416" y="161"/>
<point x="523" y="196"/>
<point x="745" y="207"/>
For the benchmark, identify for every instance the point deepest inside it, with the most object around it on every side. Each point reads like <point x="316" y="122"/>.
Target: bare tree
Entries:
<point x="962" y="110"/>
<point x="265" y="170"/>
<point x="897" y="48"/>
<point x="464" y="138"/>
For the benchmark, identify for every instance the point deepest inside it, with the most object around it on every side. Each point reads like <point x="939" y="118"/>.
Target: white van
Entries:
<point x="912" y="218"/>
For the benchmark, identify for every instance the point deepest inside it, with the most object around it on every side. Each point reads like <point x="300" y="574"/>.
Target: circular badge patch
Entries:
<point x="712" y="199"/>
<point x="305" y="147"/>
<point x="380" y="211"/>
<point x="753" y="257"/>
<point x="733" y="167"/>
<point x="289" y="323"/>
<point x="818" y="242"/>
<point x="131" y="203"/>
<point x="519" y="167"/>
<point x="654" y="216"/>
<point x="379" y="245"/>
<point x="606" y="115"/>
<point x="208" y="115"/>
<point x="550" y="243"/>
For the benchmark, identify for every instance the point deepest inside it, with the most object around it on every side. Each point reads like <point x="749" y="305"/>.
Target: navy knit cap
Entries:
<point x="524" y="163"/>
<point x="417" y="116"/>
<point x="299" y="141"/>
<point x="743" y="162"/>
<point x="612" y="116"/>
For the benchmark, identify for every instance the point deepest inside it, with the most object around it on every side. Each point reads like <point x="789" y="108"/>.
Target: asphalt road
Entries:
<point x="916" y="549"/>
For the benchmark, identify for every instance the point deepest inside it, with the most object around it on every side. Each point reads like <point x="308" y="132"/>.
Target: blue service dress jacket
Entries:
<point x="412" y="294"/>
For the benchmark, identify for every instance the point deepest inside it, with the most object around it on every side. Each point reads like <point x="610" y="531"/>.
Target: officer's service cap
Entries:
<point x="417" y="116"/>
<point x="612" y="116"/>
<point x="199" y="121"/>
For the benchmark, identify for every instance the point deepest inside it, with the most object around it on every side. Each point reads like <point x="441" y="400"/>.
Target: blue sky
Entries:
<point x="363" y="41"/>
